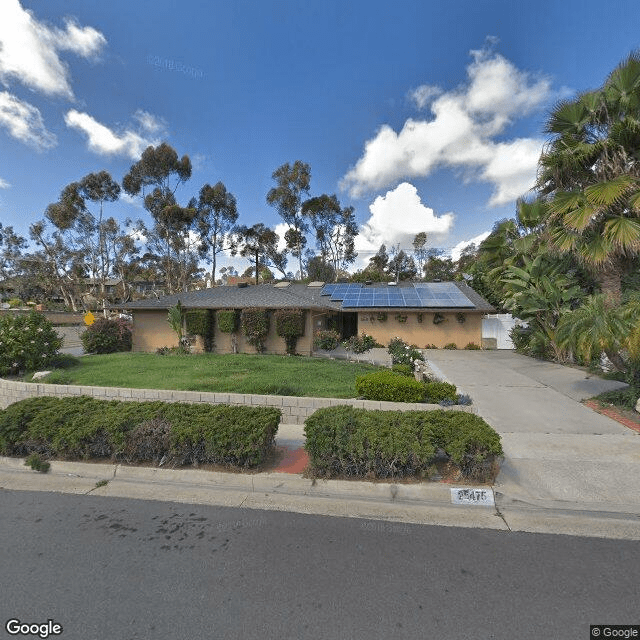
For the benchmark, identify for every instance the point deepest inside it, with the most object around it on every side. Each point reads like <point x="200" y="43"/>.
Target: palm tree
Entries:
<point x="596" y="327"/>
<point x="590" y="176"/>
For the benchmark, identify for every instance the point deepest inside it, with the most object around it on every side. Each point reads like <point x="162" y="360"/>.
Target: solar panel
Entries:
<point x="421" y="295"/>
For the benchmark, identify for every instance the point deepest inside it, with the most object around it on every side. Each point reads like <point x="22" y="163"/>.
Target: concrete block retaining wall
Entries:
<point x="294" y="409"/>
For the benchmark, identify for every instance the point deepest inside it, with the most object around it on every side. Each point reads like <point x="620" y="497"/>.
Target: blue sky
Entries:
<point x="425" y="116"/>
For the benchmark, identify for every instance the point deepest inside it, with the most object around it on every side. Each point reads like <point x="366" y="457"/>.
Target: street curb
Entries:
<point x="407" y="503"/>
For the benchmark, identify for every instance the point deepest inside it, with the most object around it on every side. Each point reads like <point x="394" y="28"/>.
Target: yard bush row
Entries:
<point x="396" y="386"/>
<point x="83" y="427"/>
<point x="357" y="442"/>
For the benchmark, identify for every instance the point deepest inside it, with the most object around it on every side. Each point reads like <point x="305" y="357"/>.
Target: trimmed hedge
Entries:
<point x="255" y="326"/>
<point x="83" y="427"/>
<point x="390" y="386"/>
<point x="290" y="326"/>
<point x="228" y="320"/>
<point x="396" y="386"/>
<point x="357" y="442"/>
<point x="200" y="322"/>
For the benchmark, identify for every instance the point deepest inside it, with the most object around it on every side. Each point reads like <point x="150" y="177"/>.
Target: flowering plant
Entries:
<point x="28" y="342"/>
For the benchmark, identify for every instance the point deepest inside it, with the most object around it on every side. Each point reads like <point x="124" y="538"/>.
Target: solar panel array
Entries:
<point x="420" y="294"/>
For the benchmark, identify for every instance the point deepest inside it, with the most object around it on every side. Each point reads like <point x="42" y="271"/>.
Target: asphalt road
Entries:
<point x="110" y="568"/>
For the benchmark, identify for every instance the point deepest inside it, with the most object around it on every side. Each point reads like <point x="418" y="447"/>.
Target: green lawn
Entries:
<point x="240" y="373"/>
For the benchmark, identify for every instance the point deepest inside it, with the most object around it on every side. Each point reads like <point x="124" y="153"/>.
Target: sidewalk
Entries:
<point x="519" y="504"/>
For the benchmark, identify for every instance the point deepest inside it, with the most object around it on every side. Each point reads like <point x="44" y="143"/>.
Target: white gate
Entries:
<point x="495" y="330"/>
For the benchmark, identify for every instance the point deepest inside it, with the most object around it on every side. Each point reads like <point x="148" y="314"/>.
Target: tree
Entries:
<point x="260" y="245"/>
<point x="589" y="175"/>
<point x="160" y="168"/>
<point x="335" y="229"/>
<point x="420" y="250"/>
<point x="438" y="267"/>
<point x="402" y="267"/>
<point x="380" y="261"/>
<point x="318" y="270"/>
<point x="217" y="213"/>
<point x="292" y="183"/>
<point x="11" y="247"/>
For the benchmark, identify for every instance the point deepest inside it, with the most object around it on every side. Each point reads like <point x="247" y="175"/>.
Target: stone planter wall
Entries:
<point x="294" y="409"/>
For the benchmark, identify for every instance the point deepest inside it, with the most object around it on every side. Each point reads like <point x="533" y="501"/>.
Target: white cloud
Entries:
<point x="29" y="50"/>
<point x="461" y="133"/>
<point x="24" y="122"/>
<point x="4" y="184"/>
<point x="104" y="141"/>
<point x="457" y="250"/>
<point x="395" y="219"/>
<point x="150" y="123"/>
<point x="424" y="94"/>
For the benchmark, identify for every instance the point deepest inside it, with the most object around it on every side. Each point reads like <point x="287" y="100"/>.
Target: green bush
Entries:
<point x="290" y="326"/>
<point x="14" y="303"/>
<point x="83" y="427"/>
<point x="450" y="345"/>
<point x="107" y="335"/>
<point x="403" y="353"/>
<point x="390" y="386"/>
<point x="227" y="320"/>
<point x="328" y="340"/>
<point x="28" y="342"/>
<point x="36" y="462"/>
<point x="200" y="322"/>
<point x="472" y="346"/>
<point x="360" y="344"/>
<point x="255" y="326"/>
<point x="403" y="369"/>
<point x="356" y="442"/>
<point x="436" y="391"/>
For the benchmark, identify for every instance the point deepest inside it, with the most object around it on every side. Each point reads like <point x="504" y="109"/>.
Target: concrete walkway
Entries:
<point x="559" y="454"/>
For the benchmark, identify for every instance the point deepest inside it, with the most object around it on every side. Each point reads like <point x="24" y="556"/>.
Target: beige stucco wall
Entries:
<point x="425" y="332"/>
<point x="151" y="331"/>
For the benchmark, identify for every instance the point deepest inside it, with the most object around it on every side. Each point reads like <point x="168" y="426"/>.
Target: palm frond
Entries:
<point x="623" y="233"/>
<point x="606" y="194"/>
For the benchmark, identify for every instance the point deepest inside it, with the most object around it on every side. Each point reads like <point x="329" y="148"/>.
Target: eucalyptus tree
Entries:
<point x="335" y="229"/>
<point x="589" y="173"/>
<point x="292" y="184"/>
<point x="217" y="214"/>
<point x="260" y="245"/>
<point x="11" y="248"/>
<point x="419" y="243"/>
<point x="156" y="177"/>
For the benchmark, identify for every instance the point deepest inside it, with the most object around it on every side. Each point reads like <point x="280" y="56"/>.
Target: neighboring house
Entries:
<point x="420" y="313"/>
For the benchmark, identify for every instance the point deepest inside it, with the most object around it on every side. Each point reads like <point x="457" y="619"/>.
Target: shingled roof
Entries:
<point x="282" y="296"/>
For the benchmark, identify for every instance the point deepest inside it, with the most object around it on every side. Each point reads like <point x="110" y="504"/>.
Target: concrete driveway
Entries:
<point x="558" y="453"/>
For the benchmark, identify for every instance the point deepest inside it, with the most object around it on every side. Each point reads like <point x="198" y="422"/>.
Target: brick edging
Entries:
<point x="295" y="409"/>
<point x="611" y="412"/>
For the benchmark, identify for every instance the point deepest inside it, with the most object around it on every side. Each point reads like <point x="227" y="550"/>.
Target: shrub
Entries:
<point x="360" y="344"/>
<point x="450" y="345"/>
<point x="227" y="320"/>
<point x="255" y="325"/>
<point x="403" y="369"/>
<point x="472" y="346"/>
<point x="290" y="326"/>
<point x="430" y="346"/>
<point x="107" y="335"/>
<point x="200" y="322"/>
<point x="28" y="342"/>
<point x="14" y="303"/>
<point x="390" y="386"/>
<point x="437" y="391"/>
<point x="345" y="440"/>
<point x="83" y="427"/>
<point x="402" y="353"/>
<point x="36" y="462"/>
<point x="328" y="340"/>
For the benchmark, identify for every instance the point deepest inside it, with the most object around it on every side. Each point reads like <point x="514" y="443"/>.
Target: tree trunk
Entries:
<point x="609" y="277"/>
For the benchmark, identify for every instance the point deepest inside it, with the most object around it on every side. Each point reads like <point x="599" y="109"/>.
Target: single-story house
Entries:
<point x="421" y="313"/>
